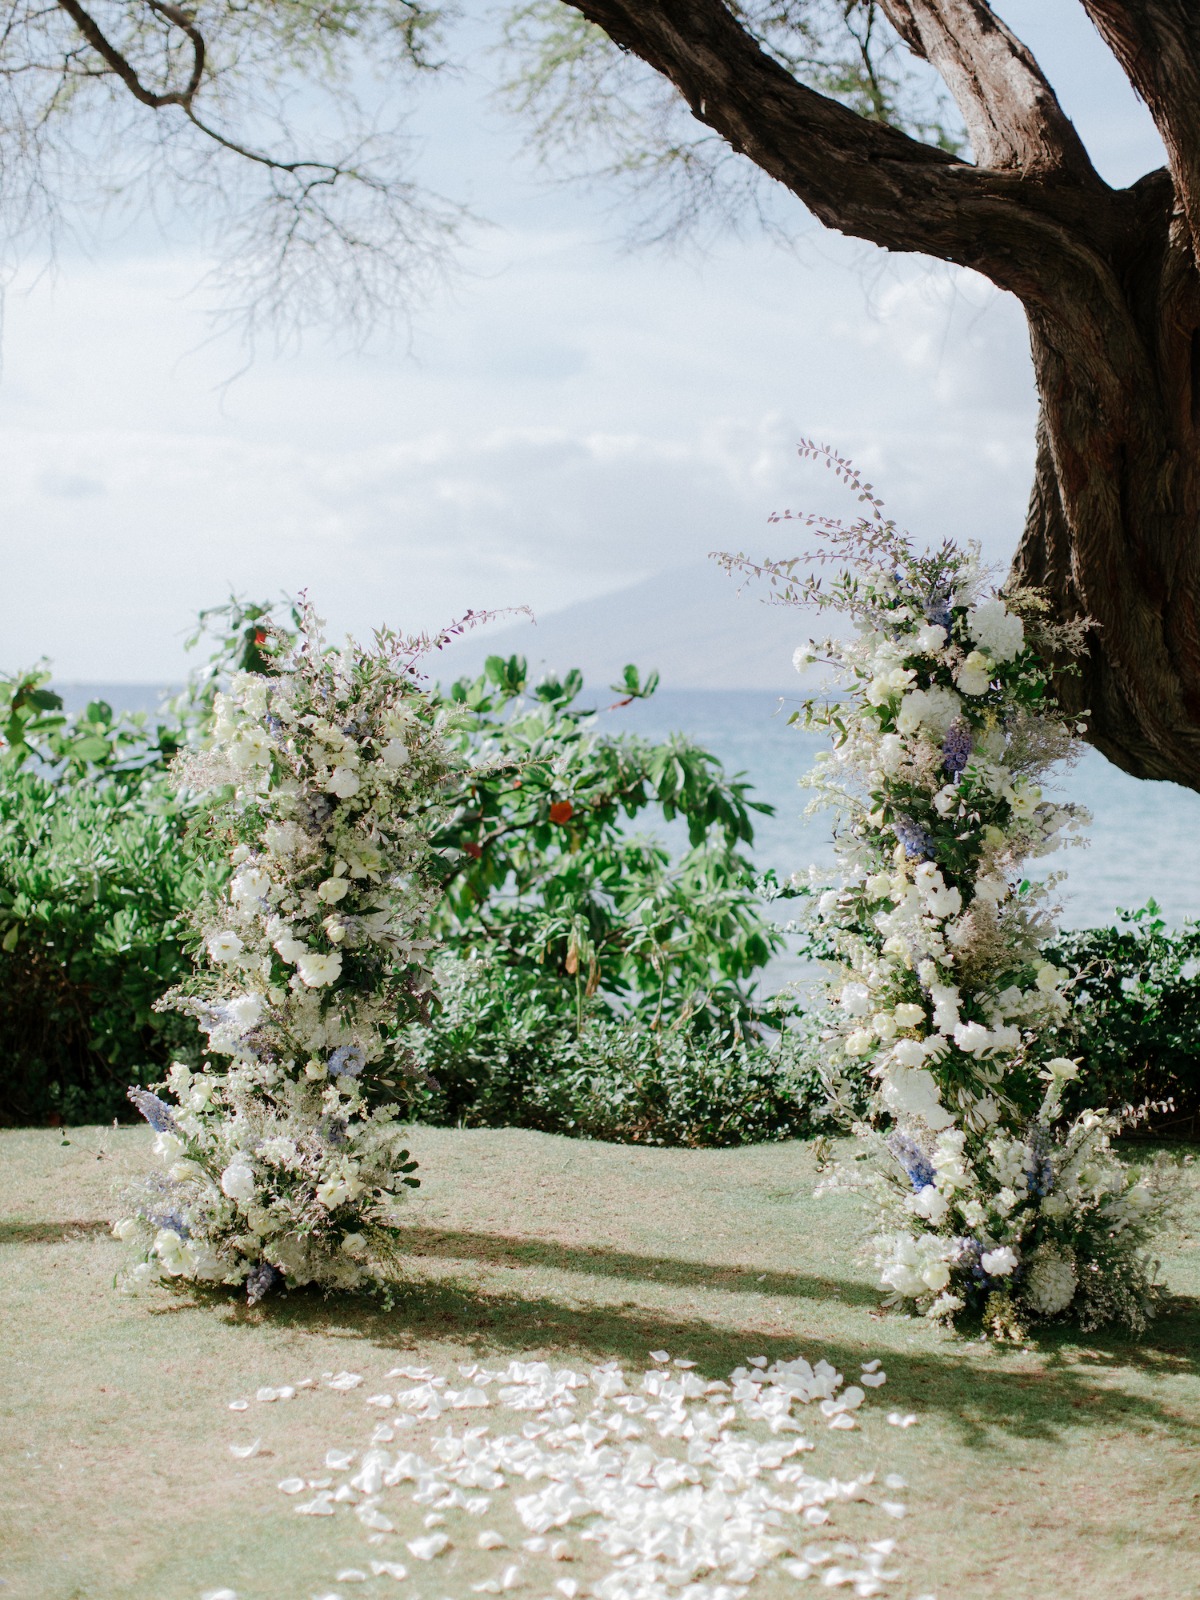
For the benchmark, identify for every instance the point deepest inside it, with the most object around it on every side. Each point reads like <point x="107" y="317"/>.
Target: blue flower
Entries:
<point x="349" y="1061"/>
<point x="938" y="610"/>
<point x="917" y="843"/>
<point x="920" y="1170"/>
<point x="1039" y="1170"/>
<point x="156" y="1112"/>
<point x="956" y="748"/>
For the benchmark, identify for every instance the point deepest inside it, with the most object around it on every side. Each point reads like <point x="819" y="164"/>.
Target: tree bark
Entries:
<point x="1108" y="280"/>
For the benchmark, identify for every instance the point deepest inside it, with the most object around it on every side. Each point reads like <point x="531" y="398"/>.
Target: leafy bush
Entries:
<point x="93" y="876"/>
<point x="1137" y="1016"/>
<point x="546" y="879"/>
<point x="503" y="1058"/>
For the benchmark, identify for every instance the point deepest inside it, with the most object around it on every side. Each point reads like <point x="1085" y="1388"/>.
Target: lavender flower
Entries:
<point x="956" y="748"/>
<point x="938" y="610"/>
<point x="156" y="1112"/>
<point x="1039" y="1170"/>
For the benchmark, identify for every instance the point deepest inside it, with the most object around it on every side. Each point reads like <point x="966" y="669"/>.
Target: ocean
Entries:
<point x="1144" y="842"/>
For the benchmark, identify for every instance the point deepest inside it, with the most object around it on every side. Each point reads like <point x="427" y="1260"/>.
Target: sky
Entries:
<point x="567" y="418"/>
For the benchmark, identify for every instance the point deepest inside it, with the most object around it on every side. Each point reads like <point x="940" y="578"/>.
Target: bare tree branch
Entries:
<point x="1012" y="115"/>
<point x="1157" y="43"/>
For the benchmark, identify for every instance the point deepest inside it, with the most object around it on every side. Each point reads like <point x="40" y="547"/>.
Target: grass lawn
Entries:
<point x="1068" y="1470"/>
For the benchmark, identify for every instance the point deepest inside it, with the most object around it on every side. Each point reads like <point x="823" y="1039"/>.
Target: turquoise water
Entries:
<point x="1144" y="841"/>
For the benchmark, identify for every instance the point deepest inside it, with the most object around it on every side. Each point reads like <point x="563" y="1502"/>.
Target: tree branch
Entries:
<point x="1157" y="43"/>
<point x="861" y="177"/>
<point x="108" y="52"/>
<point x="1012" y="115"/>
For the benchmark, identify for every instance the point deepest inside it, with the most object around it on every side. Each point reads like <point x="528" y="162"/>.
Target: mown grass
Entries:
<point x="1066" y="1470"/>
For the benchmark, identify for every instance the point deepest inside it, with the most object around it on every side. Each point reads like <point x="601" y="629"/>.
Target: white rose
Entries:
<point x="884" y="1025"/>
<point x="998" y="1263"/>
<point x="932" y="1204"/>
<point x="908" y="1015"/>
<point x="126" y="1228"/>
<point x="891" y="751"/>
<point x="316" y="971"/>
<point x="879" y="886"/>
<point x="333" y="890"/>
<point x="237" y="1181"/>
<point x="343" y="782"/>
<point x="908" y="1052"/>
<point x="974" y="677"/>
<point x="934" y="709"/>
<point x="1061" y="1067"/>
<point x="928" y="640"/>
<point x="972" y="1037"/>
<point x="936" y="1275"/>
<point x="223" y="947"/>
<point x="859" y="1042"/>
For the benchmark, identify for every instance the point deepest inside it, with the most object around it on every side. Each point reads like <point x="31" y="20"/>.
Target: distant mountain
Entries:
<point x="689" y="623"/>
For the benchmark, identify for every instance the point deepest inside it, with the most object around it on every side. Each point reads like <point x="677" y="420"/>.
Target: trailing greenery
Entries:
<point x="503" y="1058"/>
<point x="1137" y="1014"/>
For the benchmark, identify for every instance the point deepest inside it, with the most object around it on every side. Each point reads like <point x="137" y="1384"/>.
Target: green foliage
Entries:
<point x="1137" y="1013"/>
<point x="547" y="879"/>
<point x="94" y="877"/>
<point x="499" y="1060"/>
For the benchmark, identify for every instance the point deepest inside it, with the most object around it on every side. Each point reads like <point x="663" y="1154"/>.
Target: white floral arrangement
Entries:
<point x="990" y="1201"/>
<point x="282" y="1159"/>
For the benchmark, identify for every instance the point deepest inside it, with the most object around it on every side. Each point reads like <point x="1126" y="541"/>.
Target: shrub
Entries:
<point x="503" y="1058"/>
<point x="1137" y="1016"/>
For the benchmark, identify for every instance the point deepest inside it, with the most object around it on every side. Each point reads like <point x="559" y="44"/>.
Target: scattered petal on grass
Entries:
<point x="351" y="1575"/>
<point x="660" y="1355"/>
<point x="901" y="1420"/>
<point x="893" y="1508"/>
<point x="339" y="1460"/>
<point x="243" y="1452"/>
<point x="489" y="1539"/>
<point x="383" y="1401"/>
<point x="895" y="1481"/>
<point x="842" y="1420"/>
<point x="345" y="1380"/>
<point x="568" y="1587"/>
<point x="293" y="1485"/>
<point x="219" y="1594"/>
<point x="560" y="1550"/>
<point x="431" y="1545"/>
<point x="873" y="1379"/>
<point x="239" y="1405"/>
<point x="872" y="1366"/>
<point x="815" y="1516"/>
<point x="435" y="1519"/>
<point x="389" y="1569"/>
<point x="757" y="1361"/>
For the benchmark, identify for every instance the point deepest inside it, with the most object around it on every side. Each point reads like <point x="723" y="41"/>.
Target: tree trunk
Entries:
<point x="1113" y="527"/>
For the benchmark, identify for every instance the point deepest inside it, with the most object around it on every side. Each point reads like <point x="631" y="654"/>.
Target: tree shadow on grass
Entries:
<point x="500" y="1249"/>
<point x="50" y="1232"/>
<point x="982" y="1401"/>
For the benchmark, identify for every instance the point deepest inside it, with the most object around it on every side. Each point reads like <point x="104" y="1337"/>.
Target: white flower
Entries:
<point x="886" y="684"/>
<point x="934" y="709"/>
<point x="998" y="1263"/>
<point x="996" y="630"/>
<point x="1050" y="1282"/>
<point x="1049" y="977"/>
<point x="126" y="1228"/>
<point x="855" y="1000"/>
<point x="250" y="884"/>
<point x="250" y="749"/>
<point x="891" y="751"/>
<point x="803" y="656"/>
<point x="333" y="890"/>
<point x="992" y="890"/>
<point x="237" y="1181"/>
<point x="884" y="1024"/>
<point x="914" y="1092"/>
<point x="929" y="639"/>
<point x="223" y="947"/>
<point x="908" y="1052"/>
<point x="859" y="1042"/>
<point x="932" y="1204"/>
<point x="1061" y="1068"/>
<point x="245" y="1010"/>
<point x="945" y="1006"/>
<point x="354" y="1245"/>
<point x="878" y="886"/>
<point x="972" y="1037"/>
<point x="291" y="950"/>
<point x="974" y="676"/>
<point x="317" y="970"/>
<point x="973" y="1214"/>
<point x="908" y="1015"/>
<point x="936" y="1275"/>
<point x="344" y="782"/>
<point x="395" y="754"/>
<point x="334" y="1191"/>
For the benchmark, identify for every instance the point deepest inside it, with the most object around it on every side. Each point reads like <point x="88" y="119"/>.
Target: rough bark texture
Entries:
<point x="1108" y="280"/>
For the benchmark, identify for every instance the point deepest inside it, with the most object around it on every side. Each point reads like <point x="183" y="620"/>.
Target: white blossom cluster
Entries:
<point x="285" y="1160"/>
<point x="941" y="996"/>
<point x="659" y="1485"/>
